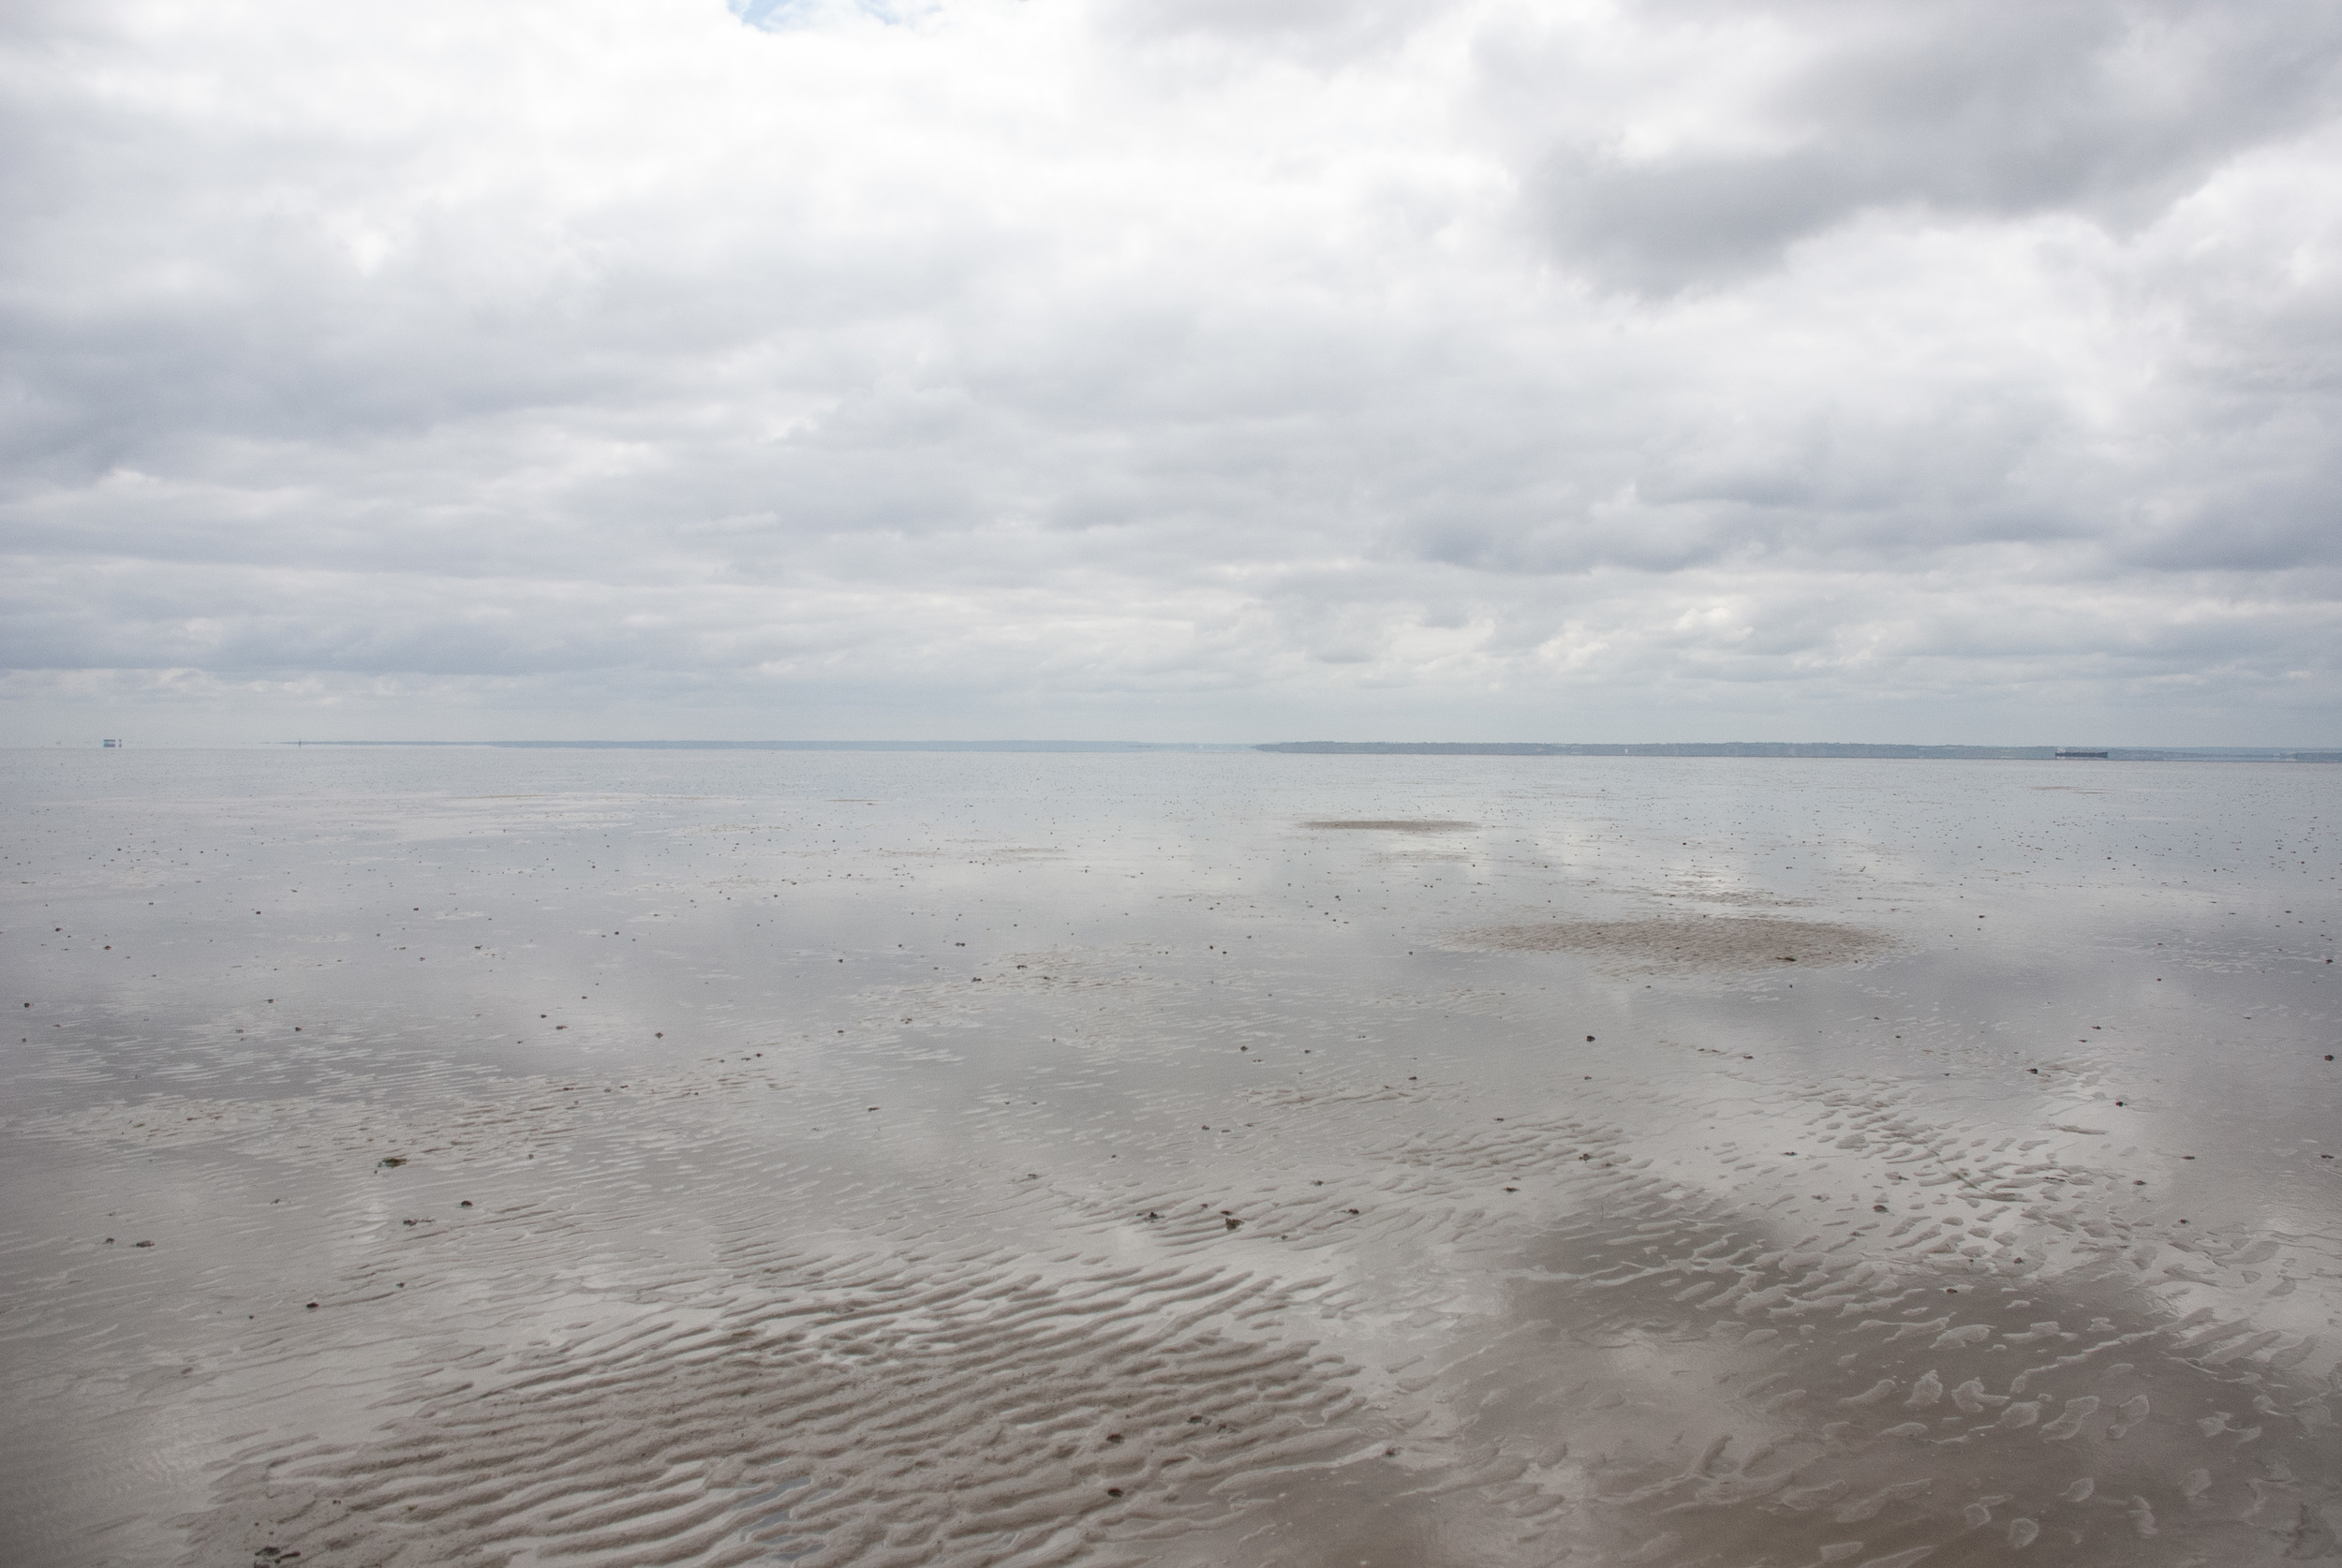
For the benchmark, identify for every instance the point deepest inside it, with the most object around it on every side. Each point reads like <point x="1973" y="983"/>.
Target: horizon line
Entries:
<point x="1810" y="749"/>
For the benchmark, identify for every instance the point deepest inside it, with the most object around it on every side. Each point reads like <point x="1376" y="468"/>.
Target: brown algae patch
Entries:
<point x="1395" y="825"/>
<point x="1726" y="942"/>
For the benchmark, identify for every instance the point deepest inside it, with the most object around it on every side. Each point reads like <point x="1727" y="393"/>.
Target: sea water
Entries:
<point x="450" y="1155"/>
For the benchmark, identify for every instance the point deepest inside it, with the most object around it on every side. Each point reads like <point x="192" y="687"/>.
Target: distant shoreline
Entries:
<point x="1442" y="748"/>
<point x="802" y="746"/>
<point x="1806" y="748"/>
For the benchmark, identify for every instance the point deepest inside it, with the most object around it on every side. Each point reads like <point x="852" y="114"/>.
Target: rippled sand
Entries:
<point x="874" y="1160"/>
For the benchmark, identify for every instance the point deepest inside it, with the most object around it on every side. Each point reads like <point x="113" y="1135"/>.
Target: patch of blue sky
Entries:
<point x="774" y="16"/>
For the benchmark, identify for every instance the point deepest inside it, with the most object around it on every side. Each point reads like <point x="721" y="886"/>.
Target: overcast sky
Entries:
<point x="1172" y="369"/>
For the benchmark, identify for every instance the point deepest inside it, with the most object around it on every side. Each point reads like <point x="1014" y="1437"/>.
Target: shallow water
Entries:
<point x="723" y="1157"/>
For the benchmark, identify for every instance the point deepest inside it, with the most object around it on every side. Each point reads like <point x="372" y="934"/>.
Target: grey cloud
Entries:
<point x="1961" y="108"/>
<point x="980" y="371"/>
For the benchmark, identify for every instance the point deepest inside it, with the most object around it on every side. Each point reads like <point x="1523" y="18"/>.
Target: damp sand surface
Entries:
<point x="1711" y="941"/>
<point x="491" y="1158"/>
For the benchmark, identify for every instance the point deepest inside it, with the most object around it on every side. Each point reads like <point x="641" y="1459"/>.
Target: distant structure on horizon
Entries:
<point x="110" y="745"/>
<point x="1791" y="748"/>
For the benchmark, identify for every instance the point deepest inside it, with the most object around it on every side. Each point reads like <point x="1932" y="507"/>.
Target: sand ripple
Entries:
<point x="934" y="1408"/>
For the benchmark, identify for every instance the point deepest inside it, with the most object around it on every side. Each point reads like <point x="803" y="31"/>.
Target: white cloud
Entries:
<point x="1453" y="370"/>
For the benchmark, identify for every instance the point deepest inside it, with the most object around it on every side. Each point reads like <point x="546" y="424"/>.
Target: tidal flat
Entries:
<point x="437" y="1157"/>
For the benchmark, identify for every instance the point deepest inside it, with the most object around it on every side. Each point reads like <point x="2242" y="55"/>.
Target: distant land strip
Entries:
<point x="1803" y="748"/>
<point x="803" y="746"/>
<point x="1434" y="748"/>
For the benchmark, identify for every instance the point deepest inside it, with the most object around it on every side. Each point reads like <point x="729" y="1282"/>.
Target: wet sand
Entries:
<point x="1054" y="1160"/>
<point x="1736" y="943"/>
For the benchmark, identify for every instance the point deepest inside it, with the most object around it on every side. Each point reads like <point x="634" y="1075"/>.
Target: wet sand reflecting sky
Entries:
<point x="427" y="1157"/>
